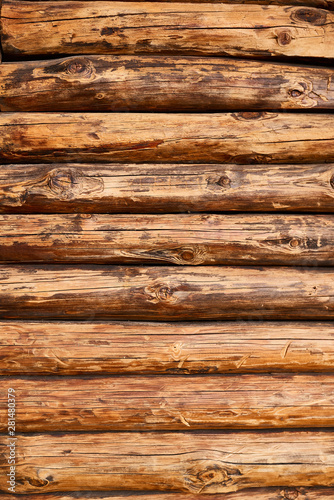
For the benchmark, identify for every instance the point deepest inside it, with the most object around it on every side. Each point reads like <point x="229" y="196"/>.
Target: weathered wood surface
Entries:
<point x="165" y="293"/>
<point x="245" y="137"/>
<point x="165" y="188"/>
<point x="69" y="348"/>
<point x="159" y="83"/>
<point x="283" y="493"/>
<point x="191" y="462"/>
<point x="181" y="239"/>
<point x="322" y="4"/>
<point x="45" y="28"/>
<point x="169" y="403"/>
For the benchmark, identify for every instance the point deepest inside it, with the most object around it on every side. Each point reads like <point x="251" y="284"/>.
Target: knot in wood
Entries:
<point x="202" y="476"/>
<point x="290" y="494"/>
<point x="250" y="115"/>
<point x="68" y="183"/>
<point x="224" y="181"/>
<point x="294" y="243"/>
<point x="62" y="182"/>
<point x="164" y="293"/>
<point x="80" y="68"/>
<point x="37" y="482"/>
<point x="317" y="17"/>
<point x="284" y="37"/>
<point x="332" y="181"/>
<point x="295" y="92"/>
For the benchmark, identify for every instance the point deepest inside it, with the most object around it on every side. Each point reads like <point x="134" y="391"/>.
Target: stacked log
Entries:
<point x="166" y="250"/>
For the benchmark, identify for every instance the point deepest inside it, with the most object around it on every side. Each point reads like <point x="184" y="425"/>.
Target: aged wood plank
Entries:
<point x="165" y="293"/>
<point x="159" y="83"/>
<point x="169" y="403"/>
<point x="116" y="188"/>
<point x="70" y="348"/>
<point x="245" y="137"/>
<point x="173" y="239"/>
<point x="283" y="493"/>
<point x="191" y="462"/>
<point x="323" y="4"/>
<point x="44" y="28"/>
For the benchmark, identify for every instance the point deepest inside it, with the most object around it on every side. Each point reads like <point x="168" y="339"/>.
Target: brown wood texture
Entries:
<point x="165" y="188"/>
<point x="245" y="137"/>
<point x="190" y="462"/>
<point x="145" y="403"/>
<point x="43" y="28"/>
<point x="322" y="4"/>
<point x="159" y="83"/>
<point x="181" y="239"/>
<point x="69" y="348"/>
<point x="283" y="493"/>
<point x="165" y="293"/>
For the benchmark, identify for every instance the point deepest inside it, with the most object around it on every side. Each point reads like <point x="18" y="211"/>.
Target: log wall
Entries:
<point x="166" y="250"/>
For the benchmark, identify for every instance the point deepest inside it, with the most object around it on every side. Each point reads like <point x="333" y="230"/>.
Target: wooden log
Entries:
<point x="190" y="462"/>
<point x="42" y="28"/>
<point x="165" y="293"/>
<point x="29" y="348"/>
<point x="169" y="403"/>
<point x="282" y="493"/>
<point x="183" y="239"/>
<point x="322" y="4"/>
<point x="246" y="137"/>
<point x="165" y="188"/>
<point x="158" y="83"/>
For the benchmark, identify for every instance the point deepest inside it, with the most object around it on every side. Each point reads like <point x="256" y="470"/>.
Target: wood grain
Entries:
<point x="115" y="188"/>
<point x="45" y="28"/>
<point x="190" y="462"/>
<point x="160" y="83"/>
<point x="168" y="239"/>
<point x="246" y="137"/>
<point x="69" y="348"/>
<point x="283" y="493"/>
<point x="169" y="403"/>
<point x="165" y="293"/>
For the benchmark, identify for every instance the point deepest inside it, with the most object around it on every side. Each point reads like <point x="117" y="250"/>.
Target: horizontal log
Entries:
<point x="322" y="4"/>
<point x="190" y="462"/>
<point x="165" y="293"/>
<point x="282" y="493"/>
<point x="246" y="137"/>
<point x="183" y="239"/>
<point x="169" y="403"/>
<point x="165" y="188"/>
<point x="42" y="28"/>
<point x="162" y="348"/>
<point x="159" y="83"/>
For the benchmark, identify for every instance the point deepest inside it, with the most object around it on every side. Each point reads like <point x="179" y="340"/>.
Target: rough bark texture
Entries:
<point x="165" y="188"/>
<point x="169" y="403"/>
<point x="245" y="137"/>
<point x="132" y="83"/>
<point x="155" y="348"/>
<point x="191" y="462"/>
<point x="165" y="293"/>
<point x="282" y="493"/>
<point x="44" y="28"/>
<point x="169" y="239"/>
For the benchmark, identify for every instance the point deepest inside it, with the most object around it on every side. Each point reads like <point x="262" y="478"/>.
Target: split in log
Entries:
<point x="157" y="348"/>
<point x="245" y="137"/>
<point x="45" y="28"/>
<point x="165" y="293"/>
<point x="190" y="462"/>
<point x="165" y="188"/>
<point x="173" y="239"/>
<point x="282" y="493"/>
<point x="127" y="83"/>
<point x="139" y="403"/>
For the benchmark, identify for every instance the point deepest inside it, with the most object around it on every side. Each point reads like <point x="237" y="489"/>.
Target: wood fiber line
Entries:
<point x="245" y="137"/>
<point x="190" y="462"/>
<point x="165" y="293"/>
<point x="109" y="188"/>
<point x="69" y="348"/>
<point x="142" y="403"/>
<point x="160" y="83"/>
<point x="168" y="239"/>
<point x="257" y="31"/>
